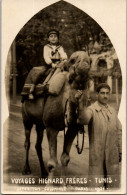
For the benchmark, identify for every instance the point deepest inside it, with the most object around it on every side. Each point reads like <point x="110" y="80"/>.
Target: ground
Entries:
<point x="14" y="153"/>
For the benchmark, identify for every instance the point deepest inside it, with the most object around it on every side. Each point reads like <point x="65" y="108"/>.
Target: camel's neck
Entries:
<point x="66" y="91"/>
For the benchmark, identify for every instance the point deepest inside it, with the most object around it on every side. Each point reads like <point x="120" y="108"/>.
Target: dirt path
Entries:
<point x="14" y="153"/>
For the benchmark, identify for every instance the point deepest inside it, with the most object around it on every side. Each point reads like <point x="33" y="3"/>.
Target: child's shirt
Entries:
<point x="53" y="53"/>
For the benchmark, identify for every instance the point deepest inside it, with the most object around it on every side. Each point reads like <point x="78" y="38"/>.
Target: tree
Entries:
<point x="74" y="25"/>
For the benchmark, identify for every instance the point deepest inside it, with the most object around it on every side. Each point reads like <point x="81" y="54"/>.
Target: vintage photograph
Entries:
<point x="63" y="98"/>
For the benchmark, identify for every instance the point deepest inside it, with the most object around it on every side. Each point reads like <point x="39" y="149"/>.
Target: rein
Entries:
<point x="80" y="129"/>
<point x="65" y="117"/>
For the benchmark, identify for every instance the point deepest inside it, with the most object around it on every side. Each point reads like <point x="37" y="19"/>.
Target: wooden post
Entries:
<point x="109" y="82"/>
<point x="14" y="74"/>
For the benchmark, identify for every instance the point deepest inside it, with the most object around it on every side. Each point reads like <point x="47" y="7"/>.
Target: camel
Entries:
<point x="47" y="112"/>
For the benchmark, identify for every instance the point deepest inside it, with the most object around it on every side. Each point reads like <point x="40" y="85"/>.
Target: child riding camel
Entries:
<point x="53" y="54"/>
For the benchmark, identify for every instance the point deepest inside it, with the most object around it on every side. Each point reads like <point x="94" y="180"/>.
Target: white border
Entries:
<point x="110" y="15"/>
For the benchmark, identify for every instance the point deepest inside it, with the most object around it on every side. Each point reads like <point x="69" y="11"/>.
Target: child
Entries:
<point x="53" y="54"/>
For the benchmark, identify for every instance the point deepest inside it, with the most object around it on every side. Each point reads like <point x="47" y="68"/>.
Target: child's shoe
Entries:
<point x="31" y="97"/>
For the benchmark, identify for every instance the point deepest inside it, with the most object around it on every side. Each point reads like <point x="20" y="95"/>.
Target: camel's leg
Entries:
<point x="69" y="138"/>
<point x="52" y="140"/>
<point x="28" y="126"/>
<point x="40" y="130"/>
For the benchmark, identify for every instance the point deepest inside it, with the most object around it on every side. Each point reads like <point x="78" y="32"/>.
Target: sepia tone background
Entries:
<point x="77" y="32"/>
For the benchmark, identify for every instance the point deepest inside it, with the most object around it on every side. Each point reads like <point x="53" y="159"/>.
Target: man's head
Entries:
<point x="53" y="37"/>
<point x="103" y="91"/>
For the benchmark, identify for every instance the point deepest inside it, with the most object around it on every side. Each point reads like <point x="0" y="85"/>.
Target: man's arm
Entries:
<point x="85" y="114"/>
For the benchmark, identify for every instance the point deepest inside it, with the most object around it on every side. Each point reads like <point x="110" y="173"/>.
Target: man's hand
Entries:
<point x="78" y="94"/>
<point x="54" y="65"/>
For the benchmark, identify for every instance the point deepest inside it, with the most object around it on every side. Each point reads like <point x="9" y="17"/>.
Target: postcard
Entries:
<point x="63" y="97"/>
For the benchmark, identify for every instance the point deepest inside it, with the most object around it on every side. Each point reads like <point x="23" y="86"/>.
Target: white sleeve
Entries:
<point x="46" y="55"/>
<point x="62" y="53"/>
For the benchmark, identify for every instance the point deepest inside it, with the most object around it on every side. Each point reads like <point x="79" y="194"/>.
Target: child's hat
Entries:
<point x="53" y="31"/>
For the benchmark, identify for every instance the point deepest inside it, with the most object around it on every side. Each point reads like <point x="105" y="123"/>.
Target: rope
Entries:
<point x="65" y="118"/>
<point x="80" y="130"/>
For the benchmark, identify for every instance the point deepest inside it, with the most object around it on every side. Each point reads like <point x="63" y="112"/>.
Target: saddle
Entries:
<point x="52" y="84"/>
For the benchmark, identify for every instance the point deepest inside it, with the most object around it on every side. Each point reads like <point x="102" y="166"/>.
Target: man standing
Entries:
<point x="105" y="137"/>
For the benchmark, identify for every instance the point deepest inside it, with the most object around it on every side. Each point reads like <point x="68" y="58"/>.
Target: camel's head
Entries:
<point x="79" y="64"/>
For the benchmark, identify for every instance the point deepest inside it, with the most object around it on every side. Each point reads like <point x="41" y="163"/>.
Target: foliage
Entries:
<point x="75" y="28"/>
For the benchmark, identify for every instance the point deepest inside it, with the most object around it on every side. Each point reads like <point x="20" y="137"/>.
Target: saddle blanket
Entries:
<point x="26" y="89"/>
<point x="55" y="85"/>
